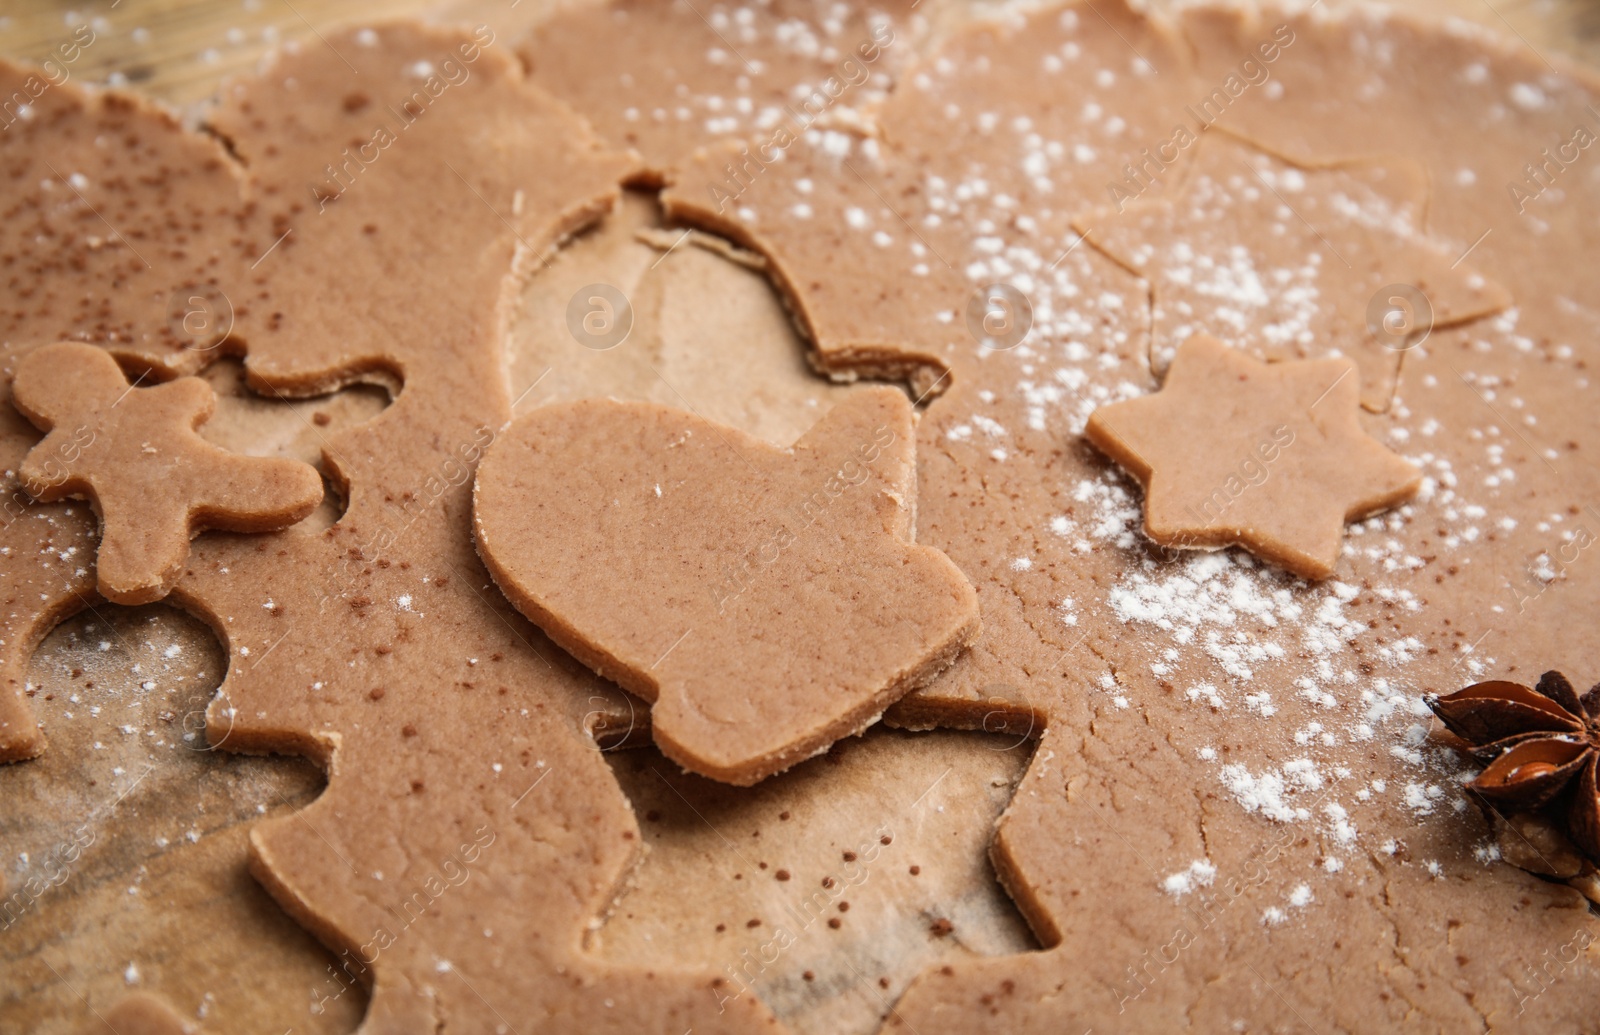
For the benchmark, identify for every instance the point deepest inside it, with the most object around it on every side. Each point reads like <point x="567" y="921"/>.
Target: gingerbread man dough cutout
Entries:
<point x="768" y="601"/>
<point x="135" y="454"/>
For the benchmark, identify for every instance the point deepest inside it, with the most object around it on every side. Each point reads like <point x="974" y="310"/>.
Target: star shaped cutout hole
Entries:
<point x="1290" y="262"/>
<point x="1269" y="456"/>
<point x="827" y="890"/>
<point x="135" y="453"/>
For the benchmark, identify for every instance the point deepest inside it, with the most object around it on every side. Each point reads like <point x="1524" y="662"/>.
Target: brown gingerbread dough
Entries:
<point x="38" y="593"/>
<point x="135" y="454"/>
<point x="768" y="602"/>
<point x="1206" y="711"/>
<point x="732" y="74"/>
<point x="1270" y="457"/>
<point x="1236" y="817"/>
<point x="375" y="226"/>
<point x="1287" y="261"/>
<point x="746" y="83"/>
<point x="139" y="1014"/>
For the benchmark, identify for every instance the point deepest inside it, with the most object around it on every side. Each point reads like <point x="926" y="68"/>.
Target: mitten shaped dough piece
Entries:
<point x="135" y="454"/>
<point x="768" y="601"/>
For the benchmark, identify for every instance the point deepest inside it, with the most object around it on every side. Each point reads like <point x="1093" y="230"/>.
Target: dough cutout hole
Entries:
<point x="257" y="424"/>
<point x="866" y="865"/>
<point x="123" y="844"/>
<point x="679" y="298"/>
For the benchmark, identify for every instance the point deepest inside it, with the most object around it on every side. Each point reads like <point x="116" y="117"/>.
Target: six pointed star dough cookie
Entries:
<point x="1271" y="457"/>
<point x="135" y="453"/>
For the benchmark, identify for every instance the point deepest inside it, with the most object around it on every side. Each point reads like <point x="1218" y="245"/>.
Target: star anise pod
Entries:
<point x="1540" y="743"/>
